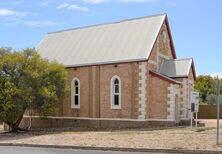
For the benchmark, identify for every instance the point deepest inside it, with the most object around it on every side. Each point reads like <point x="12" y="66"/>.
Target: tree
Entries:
<point x="205" y="85"/>
<point x="28" y="81"/>
<point x="4" y="51"/>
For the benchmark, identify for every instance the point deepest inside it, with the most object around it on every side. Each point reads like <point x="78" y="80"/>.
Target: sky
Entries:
<point x="196" y="25"/>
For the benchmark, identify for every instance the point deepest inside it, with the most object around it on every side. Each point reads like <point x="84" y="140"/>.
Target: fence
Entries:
<point x="208" y="112"/>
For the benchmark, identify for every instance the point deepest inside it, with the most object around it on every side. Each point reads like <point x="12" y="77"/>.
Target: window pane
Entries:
<point x="76" y="90"/>
<point x="76" y="83"/>
<point x="116" y="99"/>
<point x="76" y="100"/>
<point x="116" y="88"/>
<point x="116" y="81"/>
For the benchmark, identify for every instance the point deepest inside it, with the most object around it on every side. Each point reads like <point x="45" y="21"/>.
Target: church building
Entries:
<point x="121" y="74"/>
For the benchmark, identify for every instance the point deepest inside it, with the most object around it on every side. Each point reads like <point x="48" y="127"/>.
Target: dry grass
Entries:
<point x="174" y="138"/>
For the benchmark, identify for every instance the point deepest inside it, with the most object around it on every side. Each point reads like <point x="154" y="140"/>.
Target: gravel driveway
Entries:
<point x="173" y="138"/>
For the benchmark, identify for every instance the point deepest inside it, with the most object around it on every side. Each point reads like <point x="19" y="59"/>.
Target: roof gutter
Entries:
<point x="106" y="63"/>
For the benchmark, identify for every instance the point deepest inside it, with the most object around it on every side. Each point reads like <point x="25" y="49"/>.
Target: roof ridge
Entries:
<point x="108" y="23"/>
<point x="137" y="18"/>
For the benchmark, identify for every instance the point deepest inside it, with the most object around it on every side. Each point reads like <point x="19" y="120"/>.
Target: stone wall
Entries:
<point x="173" y="102"/>
<point x="95" y="91"/>
<point x="187" y="87"/>
<point x="158" y="89"/>
<point x="162" y="50"/>
<point x="125" y="73"/>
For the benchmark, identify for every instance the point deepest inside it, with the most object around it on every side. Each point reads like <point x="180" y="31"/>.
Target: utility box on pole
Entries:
<point x="195" y="101"/>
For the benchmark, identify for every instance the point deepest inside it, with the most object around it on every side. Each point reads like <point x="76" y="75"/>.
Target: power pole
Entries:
<point x="218" y="109"/>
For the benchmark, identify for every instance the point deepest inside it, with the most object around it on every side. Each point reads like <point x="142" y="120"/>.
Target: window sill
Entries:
<point x="116" y="107"/>
<point x="75" y="107"/>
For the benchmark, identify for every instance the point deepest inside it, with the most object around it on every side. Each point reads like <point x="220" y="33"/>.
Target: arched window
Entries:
<point x="115" y="92"/>
<point x="75" y="96"/>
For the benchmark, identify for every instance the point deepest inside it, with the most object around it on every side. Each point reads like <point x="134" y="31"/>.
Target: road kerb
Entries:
<point x="182" y="151"/>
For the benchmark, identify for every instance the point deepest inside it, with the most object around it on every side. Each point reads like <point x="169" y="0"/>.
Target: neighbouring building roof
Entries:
<point x="177" y="67"/>
<point x="127" y="40"/>
<point x="164" y="77"/>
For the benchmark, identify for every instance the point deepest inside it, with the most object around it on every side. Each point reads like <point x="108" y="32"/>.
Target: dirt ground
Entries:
<point x="211" y="122"/>
<point x="1" y="127"/>
<point x="171" y="138"/>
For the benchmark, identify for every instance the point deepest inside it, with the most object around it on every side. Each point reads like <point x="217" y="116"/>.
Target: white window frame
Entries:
<point x="73" y="93"/>
<point x="112" y="92"/>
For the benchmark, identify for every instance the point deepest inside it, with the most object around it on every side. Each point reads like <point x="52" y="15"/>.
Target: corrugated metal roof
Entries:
<point x="165" y="77"/>
<point x="127" y="40"/>
<point x="176" y="67"/>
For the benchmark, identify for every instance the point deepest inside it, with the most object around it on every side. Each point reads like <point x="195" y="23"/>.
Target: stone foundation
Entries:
<point x="38" y="123"/>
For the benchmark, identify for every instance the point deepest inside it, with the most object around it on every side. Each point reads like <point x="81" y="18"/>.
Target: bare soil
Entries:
<point x="172" y="138"/>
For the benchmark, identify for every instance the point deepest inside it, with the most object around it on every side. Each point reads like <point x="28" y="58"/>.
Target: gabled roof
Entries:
<point x="124" y="41"/>
<point x="175" y="68"/>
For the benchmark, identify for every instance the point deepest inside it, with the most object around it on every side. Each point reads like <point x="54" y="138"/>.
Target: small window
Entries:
<point x="115" y="95"/>
<point x="160" y="62"/>
<point x="75" y="99"/>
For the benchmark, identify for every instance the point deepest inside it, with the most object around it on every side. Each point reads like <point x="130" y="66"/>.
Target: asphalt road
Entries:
<point x="30" y="150"/>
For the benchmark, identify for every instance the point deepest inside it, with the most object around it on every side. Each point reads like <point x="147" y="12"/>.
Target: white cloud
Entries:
<point x="78" y="8"/>
<point x="121" y="1"/>
<point x="41" y="23"/>
<point x="136" y="1"/>
<point x="73" y="7"/>
<point x="64" y="5"/>
<point x="97" y="1"/>
<point x="34" y="23"/>
<point x="8" y="12"/>
<point x="174" y="4"/>
<point x="45" y="3"/>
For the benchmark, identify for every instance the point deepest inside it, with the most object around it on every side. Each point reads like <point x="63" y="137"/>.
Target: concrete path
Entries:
<point x="30" y="150"/>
